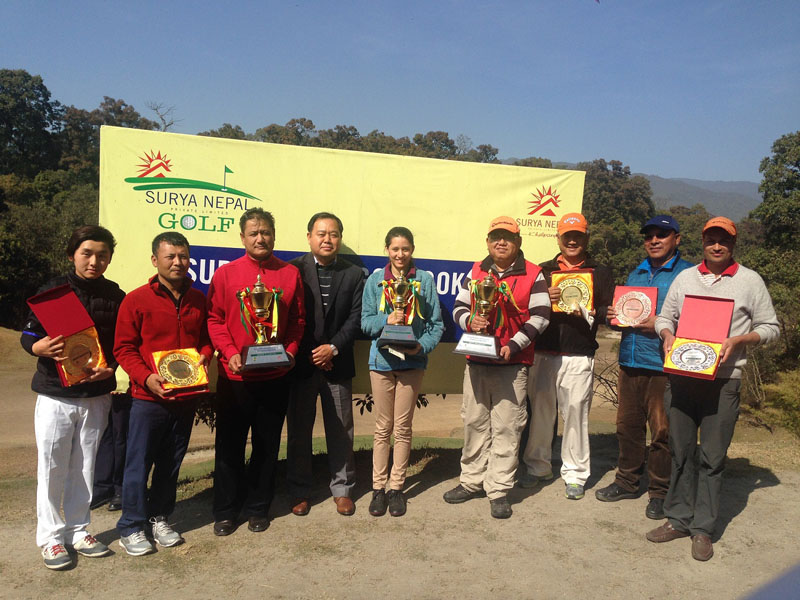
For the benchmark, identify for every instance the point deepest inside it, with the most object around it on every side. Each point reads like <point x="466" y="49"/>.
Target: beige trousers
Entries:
<point x="494" y="416"/>
<point x="395" y="395"/>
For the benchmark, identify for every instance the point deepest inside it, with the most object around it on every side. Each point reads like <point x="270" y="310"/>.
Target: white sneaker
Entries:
<point x="136" y="544"/>
<point x="56" y="557"/>
<point x="163" y="534"/>
<point x="91" y="547"/>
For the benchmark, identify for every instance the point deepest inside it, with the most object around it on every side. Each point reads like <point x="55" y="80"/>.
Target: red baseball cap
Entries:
<point x="506" y="223"/>
<point x="572" y="222"/>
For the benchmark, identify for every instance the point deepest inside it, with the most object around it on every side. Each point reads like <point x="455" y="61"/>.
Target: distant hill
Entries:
<point x="734" y="199"/>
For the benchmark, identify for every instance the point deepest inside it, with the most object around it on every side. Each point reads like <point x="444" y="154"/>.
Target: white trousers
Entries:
<point x="68" y="431"/>
<point x="563" y="382"/>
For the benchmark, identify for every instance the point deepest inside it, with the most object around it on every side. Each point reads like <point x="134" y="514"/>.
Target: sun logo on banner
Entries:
<point x="154" y="165"/>
<point x="544" y="198"/>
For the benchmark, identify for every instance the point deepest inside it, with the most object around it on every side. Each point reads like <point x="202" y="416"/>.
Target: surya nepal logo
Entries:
<point x="544" y="199"/>
<point x="192" y="204"/>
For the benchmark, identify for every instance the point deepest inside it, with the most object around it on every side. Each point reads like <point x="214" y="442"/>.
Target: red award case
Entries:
<point x="703" y="326"/>
<point x="621" y="290"/>
<point x="61" y="313"/>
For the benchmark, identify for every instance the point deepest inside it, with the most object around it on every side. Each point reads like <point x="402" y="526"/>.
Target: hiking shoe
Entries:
<point x="612" y="493"/>
<point x="136" y="544"/>
<point x="56" y="557"/>
<point x="397" y="503"/>
<point x="377" y="507"/>
<point x="163" y="534"/>
<point x="528" y="481"/>
<point x="89" y="546"/>
<point x="500" y="508"/>
<point x="574" y="491"/>
<point x="655" y="509"/>
<point x="461" y="494"/>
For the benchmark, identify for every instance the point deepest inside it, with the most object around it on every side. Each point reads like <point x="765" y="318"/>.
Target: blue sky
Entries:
<point x="695" y="89"/>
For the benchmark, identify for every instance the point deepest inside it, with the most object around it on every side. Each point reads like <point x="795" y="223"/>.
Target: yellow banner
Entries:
<point x="152" y="182"/>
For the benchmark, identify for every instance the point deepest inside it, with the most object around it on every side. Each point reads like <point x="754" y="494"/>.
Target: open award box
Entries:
<point x="703" y="326"/>
<point x="182" y="371"/>
<point x="577" y="288"/>
<point x="634" y="305"/>
<point x="61" y="313"/>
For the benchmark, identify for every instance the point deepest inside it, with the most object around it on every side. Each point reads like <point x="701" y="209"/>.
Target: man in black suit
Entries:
<point x="325" y="365"/>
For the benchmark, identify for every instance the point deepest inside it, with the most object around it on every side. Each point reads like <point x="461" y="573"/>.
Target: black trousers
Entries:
<point x="258" y="407"/>
<point x="712" y="408"/>
<point x="110" y="464"/>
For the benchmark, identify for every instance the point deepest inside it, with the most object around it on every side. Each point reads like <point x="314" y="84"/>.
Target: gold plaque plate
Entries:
<point x="575" y="291"/>
<point x="633" y="308"/>
<point x="693" y="358"/>
<point x="180" y="368"/>
<point x="83" y="353"/>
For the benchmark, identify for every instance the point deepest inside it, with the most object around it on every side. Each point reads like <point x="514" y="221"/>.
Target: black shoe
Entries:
<point x="655" y="509"/>
<point x="377" y="507"/>
<point x="461" y="494"/>
<point x="397" y="503"/>
<point x="500" y="508"/>
<point x="224" y="527"/>
<point x="612" y="493"/>
<point x="98" y="502"/>
<point x="115" y="503"/>
<point x="258" y="524"/>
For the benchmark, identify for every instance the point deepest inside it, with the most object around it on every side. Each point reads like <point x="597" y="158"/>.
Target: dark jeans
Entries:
<point x="110" y="464"/>
<point x="641" y="403"/>
<point x="258" y="407"/>
<point x="337" y="414"/>
<point x="692" y="504"/>
<point x="158" y="435"/>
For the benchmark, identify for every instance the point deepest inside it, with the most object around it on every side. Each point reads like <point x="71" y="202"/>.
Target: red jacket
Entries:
<point x="225" y="327"/>
<point x="149" y="321"/>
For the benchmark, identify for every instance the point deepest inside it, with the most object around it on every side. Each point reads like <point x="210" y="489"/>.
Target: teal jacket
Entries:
<point x="428" y="330"/>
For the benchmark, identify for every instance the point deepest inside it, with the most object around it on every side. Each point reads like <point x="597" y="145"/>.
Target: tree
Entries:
<point x="29" y="124"/>
<point x="534" y="161"/>
<point x="779" y="212"/>
<point x="233" y="132"/>
<point x="165" y="114"/>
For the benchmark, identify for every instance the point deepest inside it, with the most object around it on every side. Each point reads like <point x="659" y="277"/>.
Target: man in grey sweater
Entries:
<point x="712" y="406"/>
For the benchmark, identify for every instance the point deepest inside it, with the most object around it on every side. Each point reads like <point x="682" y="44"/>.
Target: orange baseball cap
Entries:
<point x="506" y="223"/>
<point x="572" y="222"/>
<point x="723" y="223"/>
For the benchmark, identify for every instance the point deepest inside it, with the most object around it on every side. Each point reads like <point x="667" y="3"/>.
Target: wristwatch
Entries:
<point x="335" y="350"/>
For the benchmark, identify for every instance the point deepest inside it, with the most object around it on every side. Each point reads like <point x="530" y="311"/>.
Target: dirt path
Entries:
<point x="550" y="548"/>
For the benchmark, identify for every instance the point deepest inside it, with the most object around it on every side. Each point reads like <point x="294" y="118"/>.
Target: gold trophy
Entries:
<point x="486" y="295"/>
<point x="401" y="291"/>
<point x="259" y="308"/>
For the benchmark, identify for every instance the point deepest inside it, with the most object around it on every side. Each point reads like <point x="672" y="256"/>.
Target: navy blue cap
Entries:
<point x="662" y="221"/>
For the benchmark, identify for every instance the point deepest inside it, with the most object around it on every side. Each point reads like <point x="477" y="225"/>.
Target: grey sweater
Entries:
<point x="752" y="310"/>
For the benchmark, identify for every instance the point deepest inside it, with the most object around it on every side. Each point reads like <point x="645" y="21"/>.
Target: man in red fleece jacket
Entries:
<point x="164" y="314"/>
<point x="253" y="400"/>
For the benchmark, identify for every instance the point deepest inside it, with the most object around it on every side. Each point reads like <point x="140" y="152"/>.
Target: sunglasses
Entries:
<point x="660" y="234"/>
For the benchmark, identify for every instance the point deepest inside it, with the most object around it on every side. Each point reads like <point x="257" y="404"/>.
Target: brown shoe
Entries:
<point x="301" y="507"/>
<point x="701" y="547"/>
<point x="344" y="505"/>
<point x="665" y="533"/>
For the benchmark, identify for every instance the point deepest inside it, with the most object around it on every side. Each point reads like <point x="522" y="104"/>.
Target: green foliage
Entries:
<point x="616" y="204"/>
<point x="780" y="211"/>
<point x="534" y="161"/>
<point x="781" y="403"/>
<point x="29" y="124"/>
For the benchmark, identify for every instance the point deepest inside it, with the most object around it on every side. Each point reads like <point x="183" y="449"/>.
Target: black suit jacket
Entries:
<point x="342" y="322"/>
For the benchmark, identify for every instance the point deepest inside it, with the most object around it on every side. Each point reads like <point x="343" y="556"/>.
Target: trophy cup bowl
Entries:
<point x="487" y="295"/>
<point x="263" y="354"/>
<point x="261" y="298"/>
<point x="402" y="290"/>
<point x="401" y="336"/>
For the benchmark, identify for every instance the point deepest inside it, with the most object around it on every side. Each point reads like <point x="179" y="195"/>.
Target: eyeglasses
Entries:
<point x="660" y="234"/>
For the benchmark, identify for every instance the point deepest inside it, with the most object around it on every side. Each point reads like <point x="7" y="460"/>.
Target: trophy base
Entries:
<point x="264" y="356"/>
<point x="397" y="335"/>
<point x="478" y="344"/>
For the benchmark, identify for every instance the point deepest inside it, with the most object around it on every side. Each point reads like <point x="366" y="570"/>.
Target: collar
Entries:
<point x="517" y="267"/>
<point x="667" y="266"/>
<point x="730" y="271"/>
<point x="156" y="283"/>
<point x="330" y="265"/>
<point x="263" y="264"/>
<point x="563" y="265"/>
<point x="412" y="272"/>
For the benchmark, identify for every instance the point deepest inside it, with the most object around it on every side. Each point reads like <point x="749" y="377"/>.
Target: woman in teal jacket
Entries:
<point x="396" y="373"/>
